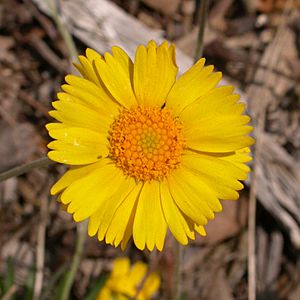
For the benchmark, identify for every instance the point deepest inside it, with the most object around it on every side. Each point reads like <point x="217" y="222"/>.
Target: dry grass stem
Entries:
<point x="276" y="48"/>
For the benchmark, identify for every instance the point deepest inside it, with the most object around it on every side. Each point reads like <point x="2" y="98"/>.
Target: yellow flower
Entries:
<point x="124" y="282"/>
<point x="147" y="151"/>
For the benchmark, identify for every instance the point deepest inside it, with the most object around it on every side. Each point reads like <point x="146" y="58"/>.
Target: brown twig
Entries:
<point x="275" y="49"/>
<point x="34" y="103"/>
<point x="46" y="52"/>
<point x="7" y="117"/>
<point x="10" y="292"/>
<point x="42" y="19"/>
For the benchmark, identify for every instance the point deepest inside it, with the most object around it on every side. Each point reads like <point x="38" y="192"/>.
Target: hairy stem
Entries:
<point x="202" y="20"/>
<point x="19" y="170"/>
<point x="70" y="276"/>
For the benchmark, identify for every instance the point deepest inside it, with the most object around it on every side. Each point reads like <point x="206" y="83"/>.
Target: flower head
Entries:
<point x="147" y="151"/>
<point x="126" y="282"/>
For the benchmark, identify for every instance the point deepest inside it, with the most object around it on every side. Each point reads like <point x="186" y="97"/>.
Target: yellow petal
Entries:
<point x="87" y="70"/>
<point x="53" y="126"/>
<point x="94" y="221"/>
<point x="78" y="136"/>
<point x="92" y="55"/>
<point x="121" y="56"/>
<point x="149" y="226"/>
<point x="116" y="80"/>
<point x="77" y="146"/>
<point x="121" y="297"/>
<point x="100" y="95"/>
<point x="194" y="186"/>
<point x="218" y="102"/>
<point x="101" y="219"/>
<point x="239" y="158"/>
<point x="220" y="175"/>
<point x="77" y="149"/>
<point x="88" y="194"/>
<point x="65" y="97"/>
<point x="194" y="83"/>
<point x="193" y="196"/>
<point x="200" y="230"/>
<point x="102" y="102"/>
<point x="222" y="134"/>
<point x="71" y="176"/>
<point x="154" y="74"/>
<point x="151" y="286"/>
<point x="121" y="267"/>
<point x="172" y="52"/>
<point x="74" y="157"/>
<point x="174" y="217"/>
<point x="77" y="115"/>
<point x="83" y="84"/>
<point x="80" y="68"/>
<point x="127" y="233"/>
<point x="137" y="273"/>
<point x="121" y="217"/>
<point x="104" y="294"/>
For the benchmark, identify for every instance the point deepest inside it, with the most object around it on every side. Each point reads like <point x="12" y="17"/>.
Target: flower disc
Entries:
<point x="146" y="142"/>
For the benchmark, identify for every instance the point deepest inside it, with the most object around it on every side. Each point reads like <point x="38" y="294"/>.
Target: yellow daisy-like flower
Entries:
<point x="124" y="282"/>
<point x="147" y="151"/>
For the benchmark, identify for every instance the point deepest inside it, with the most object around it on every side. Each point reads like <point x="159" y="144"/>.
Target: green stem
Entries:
<point x="202" y="20"/>
<point x="63" y="30"/>
<point x="70" y="276"/>
<point x="177" y="278"/>
<point x="19" y="170"/>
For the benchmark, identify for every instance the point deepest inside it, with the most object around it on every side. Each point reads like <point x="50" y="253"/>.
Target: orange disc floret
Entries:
<point x="146" y="142"/>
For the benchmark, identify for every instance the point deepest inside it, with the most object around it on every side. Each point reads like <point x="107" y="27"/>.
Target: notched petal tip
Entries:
<point x="51" y="145"/>
<point x="108" y="56"/>
<point x="159" y="247"/>
<point x="183" y="241"/>
<point x="91" y="232"/>
<point x="201" y="61"/>
<point x="150" y="247"/>
<point x="54" y="191"/>
<point x="172" y="51"/>
<point x="202" y="231"/>
<point x="152" y="43"/>
<point x="218" y="75"/>
<point x="51" y="113"/>
<point x="65" y="88"/>
<point x="251" y="141"/>
<point x="218" y="206"/>
<point x="140" y="245"/>
<point x="70" y="78"/>
<point x="82" y="58"/>
<point x="56" y="104"/>
<point x="52" y="155"/>
<point x="78" y="218"/>
<point x="49" y="125"/>
<point x="91" y="54"/>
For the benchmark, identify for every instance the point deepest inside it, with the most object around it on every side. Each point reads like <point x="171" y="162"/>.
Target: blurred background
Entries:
<point x="255" y="43"/>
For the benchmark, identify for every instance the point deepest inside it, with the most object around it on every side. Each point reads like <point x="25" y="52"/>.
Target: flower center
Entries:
<point x="146" y="142"/>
